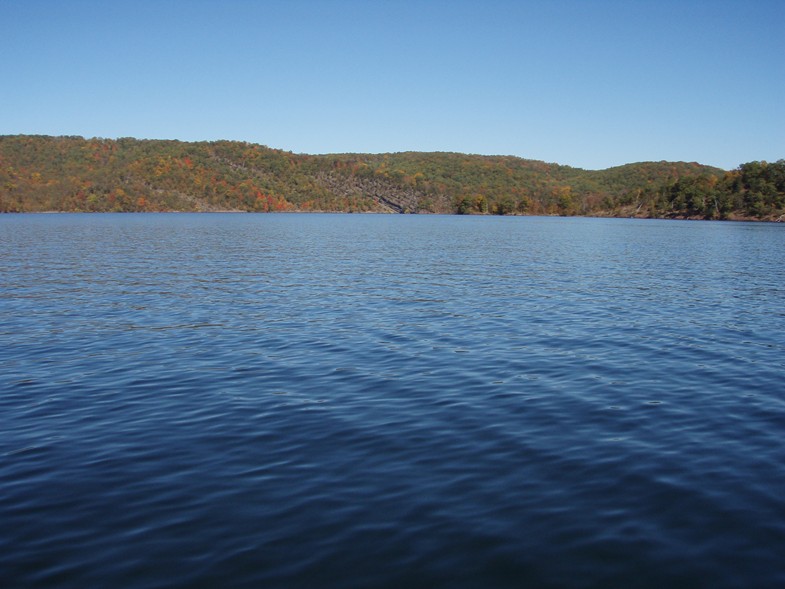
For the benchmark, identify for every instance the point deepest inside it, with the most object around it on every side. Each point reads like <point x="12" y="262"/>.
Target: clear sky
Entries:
<point x="587" y="83"/>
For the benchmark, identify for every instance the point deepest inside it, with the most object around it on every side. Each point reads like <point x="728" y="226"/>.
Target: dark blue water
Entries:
<point x="390" y="401"/>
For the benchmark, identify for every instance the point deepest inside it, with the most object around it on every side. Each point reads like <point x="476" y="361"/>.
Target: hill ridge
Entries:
<point x="72" y="173"/>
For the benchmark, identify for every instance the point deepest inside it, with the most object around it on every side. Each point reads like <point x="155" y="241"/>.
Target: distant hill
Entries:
<point x="41" y="173"/>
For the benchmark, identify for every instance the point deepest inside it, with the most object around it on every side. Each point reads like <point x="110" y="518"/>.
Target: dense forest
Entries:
<point x="40" y="173"/>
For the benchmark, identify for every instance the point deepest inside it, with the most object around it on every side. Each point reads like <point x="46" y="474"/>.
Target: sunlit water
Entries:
<point x="390" y="401"/>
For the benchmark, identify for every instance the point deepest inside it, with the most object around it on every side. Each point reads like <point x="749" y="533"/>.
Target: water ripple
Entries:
<point x="386" y="401"/>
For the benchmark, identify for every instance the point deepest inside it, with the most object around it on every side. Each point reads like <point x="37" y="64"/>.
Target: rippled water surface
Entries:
<point x="390" y="401"/>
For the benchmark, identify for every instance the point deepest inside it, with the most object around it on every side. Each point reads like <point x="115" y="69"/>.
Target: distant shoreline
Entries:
<point x="735" y="219"/>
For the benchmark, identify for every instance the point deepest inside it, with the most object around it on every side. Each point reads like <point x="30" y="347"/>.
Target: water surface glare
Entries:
<point x="390" y="401"/>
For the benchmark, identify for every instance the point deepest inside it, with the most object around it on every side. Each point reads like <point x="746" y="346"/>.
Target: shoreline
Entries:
<point x="731" y="219"/>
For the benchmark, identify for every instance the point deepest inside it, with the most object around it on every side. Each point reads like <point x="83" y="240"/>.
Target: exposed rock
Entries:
<point x="389" y="196"/>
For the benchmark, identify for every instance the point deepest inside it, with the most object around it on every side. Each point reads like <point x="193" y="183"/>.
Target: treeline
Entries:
<point x="753" y="190"/>
<point x="39" y="173"/>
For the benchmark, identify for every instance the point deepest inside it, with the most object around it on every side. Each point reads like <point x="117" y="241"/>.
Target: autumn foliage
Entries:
<point x="40" y="173"/>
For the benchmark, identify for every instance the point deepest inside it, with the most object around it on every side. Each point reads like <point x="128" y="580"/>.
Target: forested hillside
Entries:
<point x="39" y="173"/>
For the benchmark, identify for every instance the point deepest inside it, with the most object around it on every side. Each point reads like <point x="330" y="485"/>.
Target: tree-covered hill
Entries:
<point x="40" y="173"/>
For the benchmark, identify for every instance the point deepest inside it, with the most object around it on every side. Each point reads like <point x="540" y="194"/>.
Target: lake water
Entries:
<point x="302" y="401"/>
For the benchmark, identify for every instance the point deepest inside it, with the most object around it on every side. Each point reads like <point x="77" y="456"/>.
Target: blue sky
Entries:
<point x="585" y="83"/>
